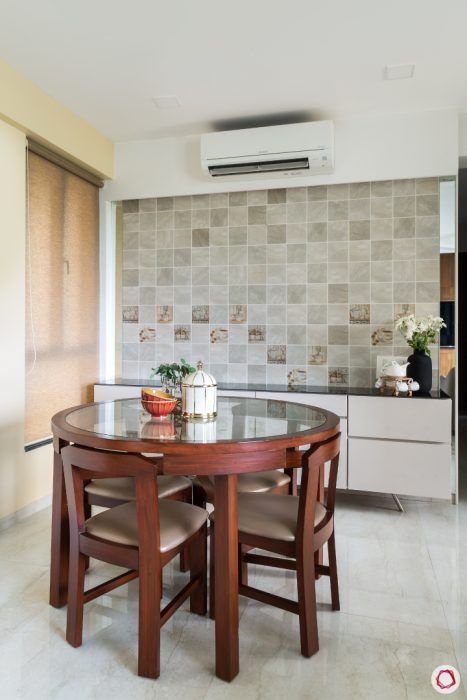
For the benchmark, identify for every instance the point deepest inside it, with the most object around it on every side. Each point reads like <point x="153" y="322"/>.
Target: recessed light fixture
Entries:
<point x="166" y="101"/>
<point x="399" y="72"/>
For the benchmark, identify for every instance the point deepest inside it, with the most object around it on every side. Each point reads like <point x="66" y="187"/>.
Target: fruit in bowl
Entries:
<point x="156" y="402"/>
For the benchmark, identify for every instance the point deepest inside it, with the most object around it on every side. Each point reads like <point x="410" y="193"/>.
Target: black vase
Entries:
<point x="420" y="370"/>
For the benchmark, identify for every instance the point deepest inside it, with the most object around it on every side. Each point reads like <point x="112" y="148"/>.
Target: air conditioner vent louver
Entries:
<point x="270" y="152"/>
<point x="268" y="166"/>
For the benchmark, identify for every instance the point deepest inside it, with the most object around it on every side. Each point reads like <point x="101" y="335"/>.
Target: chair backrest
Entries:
<point x="312" y="462"/>
<point x="81" y="464"/>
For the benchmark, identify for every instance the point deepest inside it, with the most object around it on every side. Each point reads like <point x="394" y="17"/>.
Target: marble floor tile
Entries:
<point x="403" y="583"/>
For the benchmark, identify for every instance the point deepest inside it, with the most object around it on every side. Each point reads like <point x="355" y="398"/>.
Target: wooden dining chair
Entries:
<point x="292" y="527"/>
<point x="273" y="481"/>
<point x="142" y="535"/>
<point x="108" y="493"/>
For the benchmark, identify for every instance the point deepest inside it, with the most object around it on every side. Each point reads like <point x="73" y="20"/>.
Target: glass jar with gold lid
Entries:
<point x="199" y="394"/>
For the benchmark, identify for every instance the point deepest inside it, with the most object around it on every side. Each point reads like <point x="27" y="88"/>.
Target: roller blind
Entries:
<point x="62" y="279"/>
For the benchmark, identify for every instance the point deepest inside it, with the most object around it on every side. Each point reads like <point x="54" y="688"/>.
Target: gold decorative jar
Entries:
<point x="199" y="394"/>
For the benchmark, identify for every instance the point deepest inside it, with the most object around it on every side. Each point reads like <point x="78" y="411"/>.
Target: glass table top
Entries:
<point x="237" y="420"/>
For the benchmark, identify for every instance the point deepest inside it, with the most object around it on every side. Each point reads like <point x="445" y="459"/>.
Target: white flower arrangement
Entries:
<point x="420" y="333"/>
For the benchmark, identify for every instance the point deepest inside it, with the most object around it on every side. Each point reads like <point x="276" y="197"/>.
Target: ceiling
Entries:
<point x="234" y="64"/>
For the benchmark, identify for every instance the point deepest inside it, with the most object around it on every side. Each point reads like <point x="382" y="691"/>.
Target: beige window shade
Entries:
<point x="62" y="293"/>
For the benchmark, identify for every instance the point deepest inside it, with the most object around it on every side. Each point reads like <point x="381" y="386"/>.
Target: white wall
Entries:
<point x="372" y="148"/>
<point x="24" y="477"/>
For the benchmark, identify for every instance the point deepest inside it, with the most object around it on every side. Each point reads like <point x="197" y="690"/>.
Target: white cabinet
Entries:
<point x="391" y="418"/>
<point x="330" y="402"/>
<point x="400" y="445"/>
<point x="406" y="468"/>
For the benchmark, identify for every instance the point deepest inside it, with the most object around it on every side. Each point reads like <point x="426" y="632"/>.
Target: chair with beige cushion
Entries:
<point x="296" y="528"/>
<point x="142" y="535"/>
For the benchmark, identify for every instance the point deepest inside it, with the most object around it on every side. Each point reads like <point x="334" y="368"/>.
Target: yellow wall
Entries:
<point x="27" y="107"/>
<point x="26" y="478"/>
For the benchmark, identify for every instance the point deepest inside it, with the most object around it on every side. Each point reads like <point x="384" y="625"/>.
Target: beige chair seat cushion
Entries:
<point x="178" y="522"/>
<point x="252" y="482"/>
<point x="271" y="515"/>
<point x="123" y="488"/>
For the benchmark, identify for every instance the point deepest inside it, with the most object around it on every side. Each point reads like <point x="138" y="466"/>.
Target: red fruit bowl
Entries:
<point x="157" y="402"/>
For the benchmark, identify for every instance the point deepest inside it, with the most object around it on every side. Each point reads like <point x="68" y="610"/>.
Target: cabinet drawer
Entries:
<point x="392" y="418"/>
<point x="337" y="404"/>
<point x="110" y="392"/>
<point x="406" y="468"/>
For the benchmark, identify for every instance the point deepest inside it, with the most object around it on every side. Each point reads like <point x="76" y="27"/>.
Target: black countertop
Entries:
<point x="281" y="388"/>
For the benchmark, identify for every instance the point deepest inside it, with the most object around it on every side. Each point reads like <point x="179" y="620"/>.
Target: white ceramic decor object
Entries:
<point x="199" y="394"/>
<point x="394" y="369"/>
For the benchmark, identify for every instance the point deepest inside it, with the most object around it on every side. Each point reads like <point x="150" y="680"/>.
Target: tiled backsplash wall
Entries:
<point x="299" y="285"/>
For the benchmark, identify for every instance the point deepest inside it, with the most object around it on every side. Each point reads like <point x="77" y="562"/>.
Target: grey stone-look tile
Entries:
<point x="238" y="216"/>
<point x="257" y="234"/>
<point x="381" y="250"/>
<point x="276" y="233"/>
<point x="359" y="292"/>
<point x="359" y="250"/>
<point x="181" y="276"/>
<point x="165" y="276"/>
<point x="130" y="278"/>
<point x="256" y="274"/>
<point x="338" y="314"/>
<point x="403" y="187"/>
<point x="317" y="193"/>
<point x="200" y="237"/>
<point x="338" y="293"/>
<point x="296" y="293"/>
<point x="359" y="190"/>
<point x="427" y="226"/>
<point x="382" y="314"/>
<point x="359" y="209"/>
<point x="257" y="294"/>
<point x="165" y="258"/>
<point x="317" y="313"/>
<point x="382" y="188"/>
<point x="218" y="200"/>
<point x="426" y="292"/>
<point x="317" y="232"/>
<point x="182" y="219"/>
<point x="165" y="203"/>
<point x="296" y="213"/>
<point x="337" y="230"/>
<point x="165" y="220"/>
<point x="359" y="272"/>
<point x="338" y="210"/>
<point x="237" y="235"/>
<point x="359" y="356"/>
<point x="381" y="292"/>
<point x="237" y="199"/>
<point x="426" y="248"/>
<point x="404" y="292"/>
<point x="130" y="206"/>
<point x="338" y="251"/>
<point x="256" y="197"/>
<point x="296" y="194"/>
<point x="317" y="273"/>
<point x="338" y="335"/>
<point x="427" y="270"/>
<point x="256" y="254"/>
<point x="219" y="217"/>
<point x="359" y="230"/>
<point x="219" y="256"/>
<point x="427" y="205"/>
<point x="276" y="214"/>
<point x="381" y="207"/>
<point x="296" y="252"/>
<point x="256" y="215"/>
<point x="381" y="271"/>
<point x="200" y="218"/>
<point x="404" y="228"/>
<point x="338" y="272"/>
<point x="276" y="196"/>
<point x="296" y="335"/>
<point x="404" y="206"/>
<point x="317" y="211"/>
<point x="296" y="233"/>
<point x="317" y="252"/>
<point x="404" y="270"/>
<point x="381" y="229"/>
<point x="426" y="185"/>
<point x="130" y="240"/>
<point x="338" y="192"/>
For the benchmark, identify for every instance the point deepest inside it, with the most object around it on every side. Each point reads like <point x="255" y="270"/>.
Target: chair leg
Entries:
<point x="212" y="586"/>
<point x="87" y="514"/>
<point x="185" y="560"/>
<point x="242" y="564"/>
<point x="74" y="623"/>
<point x="149" y="621"/>
<point x="198" y="559"/>
<point x="307" y="606"/>
<point x="199" y="496"/>
<point x="333" y="573"/>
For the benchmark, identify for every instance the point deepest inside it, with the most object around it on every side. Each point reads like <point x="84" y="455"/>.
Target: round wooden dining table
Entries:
<point x="247" y="435"/>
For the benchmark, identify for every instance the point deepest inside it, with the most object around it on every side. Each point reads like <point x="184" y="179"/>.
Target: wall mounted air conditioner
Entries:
<point x="271" y="151"/>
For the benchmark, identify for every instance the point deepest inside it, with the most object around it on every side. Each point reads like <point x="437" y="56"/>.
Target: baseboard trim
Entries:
<point x="25" y="512"/>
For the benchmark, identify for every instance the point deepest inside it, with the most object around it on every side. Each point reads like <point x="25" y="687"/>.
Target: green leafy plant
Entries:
<point x="420" y="332"/>
<point x="173" y="374"/>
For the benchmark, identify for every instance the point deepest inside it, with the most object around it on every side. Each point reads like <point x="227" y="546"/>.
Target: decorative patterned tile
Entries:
<point x="277" y="354"/>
